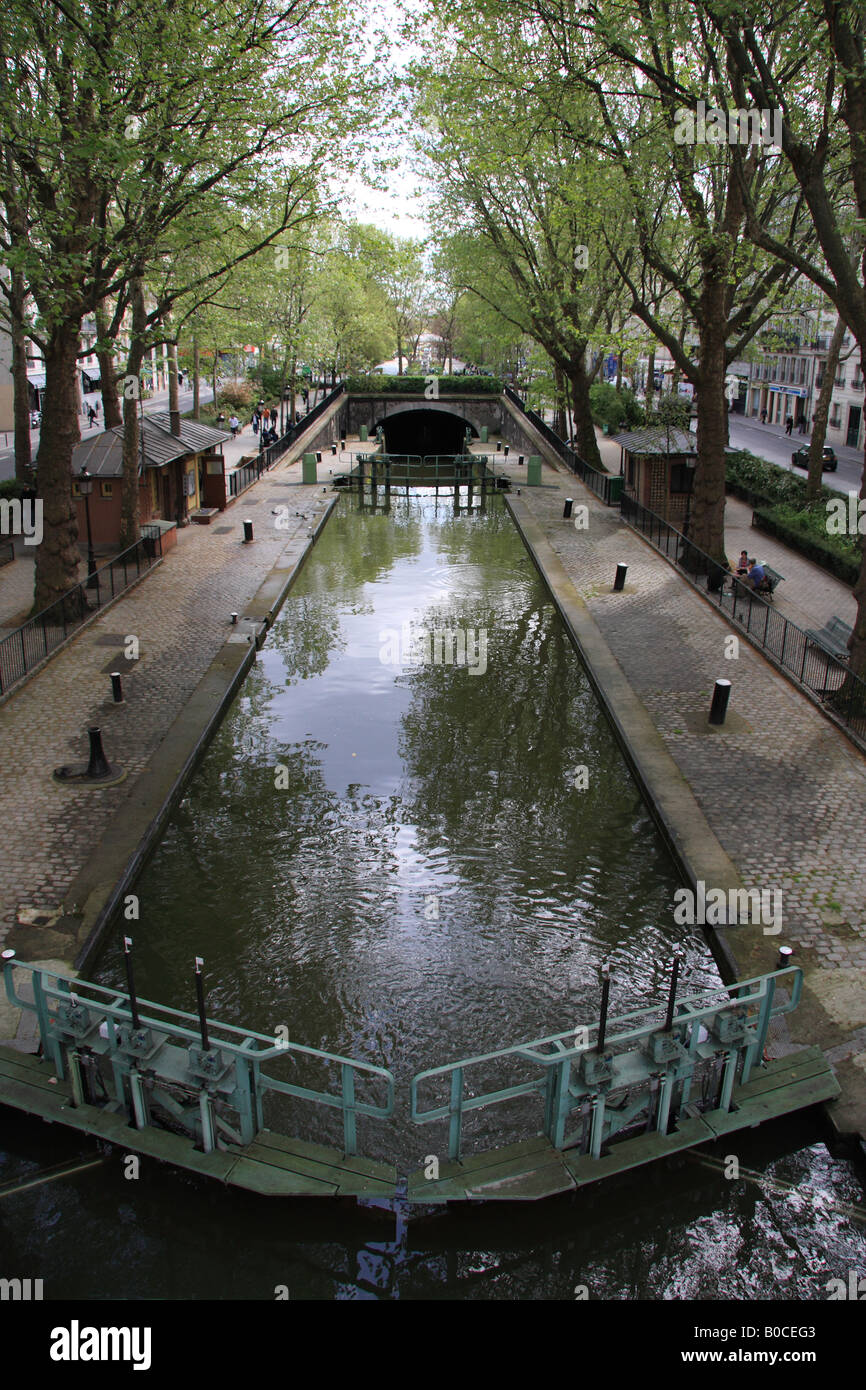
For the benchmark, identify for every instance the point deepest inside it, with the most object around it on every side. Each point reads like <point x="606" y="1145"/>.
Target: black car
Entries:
<point x="800" y="459"/>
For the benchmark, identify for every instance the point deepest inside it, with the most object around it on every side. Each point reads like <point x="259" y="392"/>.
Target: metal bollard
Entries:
<point x="519" y="460"/>
<point x="234" y="619"/>
<point x="248" y="531"/>
<point x="505" y="450"/>
<point x="116" y="688"/>
<point x="98" y="764"/>
<point x="334" y="450"/>
<point x="569" y="503"/>
<point x="785" y="954"/>
<point x="719" y="707"/>
<point x="619" y="581"/>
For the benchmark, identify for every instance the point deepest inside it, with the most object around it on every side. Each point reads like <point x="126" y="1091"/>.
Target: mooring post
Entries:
<point x="719" y="707"/>
<point x="116" y="688"/>
<point x="199" y="994"/>
<point x="619" y="581"/>
<point x="569" y="503"/>
<point x="98" y="764"/>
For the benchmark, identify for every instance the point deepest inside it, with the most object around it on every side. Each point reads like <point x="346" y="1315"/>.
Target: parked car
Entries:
<point x="35" y="419"/>
<point x="800" y="458"/>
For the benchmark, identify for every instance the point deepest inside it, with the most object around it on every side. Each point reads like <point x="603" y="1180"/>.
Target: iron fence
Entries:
<point x="242" y="478"/>
<point x="788" y="646"/>
<point x="28" y="645"/>
<point x="606" y="486"/>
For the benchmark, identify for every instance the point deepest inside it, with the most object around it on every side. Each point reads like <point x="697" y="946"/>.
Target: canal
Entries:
<point x="408" y="848"/>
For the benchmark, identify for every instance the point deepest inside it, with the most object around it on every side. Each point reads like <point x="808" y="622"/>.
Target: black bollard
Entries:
<point x="569" y="503"/>
<point x="318" y="458"/>
<point x="672" y="993"/>
<point x="116" y="688"/>
<point x="98" y="764"/>
<point x="785" y="954"/>
<point x="199" y="994"/>
<point x="234" y="619"/>
<point x="248" y="531"/>
<point x="719" y="707"/>
<point x="334" y="449"/>
<point x="619" y="582"/>
<point x="605" y="996"/>
<point x="505" y="450"/>
<point x="519" y="460"/>
<point x="130" y="982"/>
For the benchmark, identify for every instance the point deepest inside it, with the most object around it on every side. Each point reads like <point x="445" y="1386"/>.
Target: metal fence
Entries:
<point x="790" y="647"/>
<point x="606" y="486"/>
<point x="242" y="478"/>
<point x="30" y="644"/>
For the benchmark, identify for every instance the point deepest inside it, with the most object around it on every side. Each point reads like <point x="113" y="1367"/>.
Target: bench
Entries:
<point x="833" y="637"/>
<point x="772" y="580"/>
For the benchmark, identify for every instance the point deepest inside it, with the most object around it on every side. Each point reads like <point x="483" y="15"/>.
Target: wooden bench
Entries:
<point x="833" y="637"/>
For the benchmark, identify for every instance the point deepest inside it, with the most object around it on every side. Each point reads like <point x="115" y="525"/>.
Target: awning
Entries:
<point x="37" y="380"/>
<point x="790" y="390"/>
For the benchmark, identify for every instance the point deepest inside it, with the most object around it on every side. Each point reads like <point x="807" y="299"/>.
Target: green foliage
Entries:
<point x="616" y="409"/>
<point x="806" y="532"/>
<point x="756" y="481"/>
<point x="415" y="385"/>
<point x="10" y="489"/>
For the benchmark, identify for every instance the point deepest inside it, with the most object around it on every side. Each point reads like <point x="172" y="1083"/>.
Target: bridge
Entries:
<point x="603" y="1098"/>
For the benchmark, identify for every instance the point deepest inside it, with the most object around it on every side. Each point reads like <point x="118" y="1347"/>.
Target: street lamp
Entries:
<point x="85" y="487"/>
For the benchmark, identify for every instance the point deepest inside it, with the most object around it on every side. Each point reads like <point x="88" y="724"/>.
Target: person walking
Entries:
<point x="789" y="424"/>
<point x="273" y="417"/>
<point x="234" y="426"/>
<point x="91" y="415"/>
<point x="763" y="417"/>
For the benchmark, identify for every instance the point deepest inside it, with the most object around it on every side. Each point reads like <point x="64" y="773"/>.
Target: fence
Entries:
<point x="791" y="648"/>
<point x="242" y="478"/>
<point x="606" y="486"/>
<point x="44" y="633"/>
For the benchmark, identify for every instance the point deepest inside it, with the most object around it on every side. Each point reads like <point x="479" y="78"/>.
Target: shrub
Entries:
<point x="236" y="393"/>
<point x="806" y="532"/>
<point x="10" y="488"/>
<point x="616" y="409"/>
<point x="379" y="384"/>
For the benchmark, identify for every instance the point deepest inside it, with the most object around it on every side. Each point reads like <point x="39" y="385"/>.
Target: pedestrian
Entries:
<point x="763" y="417"/>
<point x="256" y="420"/>
<point x="234" y="426"/>
<point x="273" y="417"/>
<point x="789" y="424"/>
<point x="91" y="415"/>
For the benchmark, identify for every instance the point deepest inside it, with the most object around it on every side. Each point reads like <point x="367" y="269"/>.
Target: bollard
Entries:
<point x="619" y="582"/>
<point x="342" y="443"/>
<point x="505" y="450"/>
<point x="248" y="531"/>
<point x="785" y="954"/>
<point x="318" y="458"/>
<point x="569" y="503"/>
<point x="199" y="995"/>
<point x="234" y="619"/>
<point x="602" y="1022"/>
<point x="116" y="688"/>
<point x="98" y="764"/>
<point x="519" y="460"/>
<point x="334" y="450"/>
<point x="719" y="707"/>
<point x="498" y="445"/>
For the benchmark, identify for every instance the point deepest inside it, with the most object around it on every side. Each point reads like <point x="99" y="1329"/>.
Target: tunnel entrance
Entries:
<point x="425" y="432"/>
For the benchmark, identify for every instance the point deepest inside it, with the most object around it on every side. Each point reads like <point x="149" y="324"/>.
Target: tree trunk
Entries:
<point x="707" y="520"/>
<point x="619" y="371"/>
<point x="821" y="414"/>
<point x="649" y="394"/>
<point x="173" y="389"/>
<point x="21" y="394"/>
<point x="584" y="430"/>
<point x="214" y="380"/>
<point x="111" y="413"/>
<point x="129" y="528"/>
<point x="196" y="390"/>
<point x="57" y="557"/>
<point x="559" y="423"/>
<point x="399" y="355"/>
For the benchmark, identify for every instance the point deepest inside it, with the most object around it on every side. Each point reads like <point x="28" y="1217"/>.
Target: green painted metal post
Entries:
<point x="597" y="1132"/>
<point x="75" y="1078"/>
<point x="139" y="1101"/>
<point x="533" y="471"/>
<point x="207" y="1129"/>
<point x="562" y="1103"/>
<point x="728" y="1082"/>
<point x="308" y="469"/>
<point x="485" y="434"/>
<point x="456" y="1123"/>
<point x="363" y="434"/>
<point x="350" y="1128"/>
<point x="755" y="1052"/>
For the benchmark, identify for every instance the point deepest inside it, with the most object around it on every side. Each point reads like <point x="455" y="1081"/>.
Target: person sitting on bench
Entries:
<point x="743" y="563"/>
<point x="757" y="577"/>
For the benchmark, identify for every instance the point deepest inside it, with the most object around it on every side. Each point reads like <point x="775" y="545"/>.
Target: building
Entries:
<point x="658" y="466"/>
<point x="172" y="475"/>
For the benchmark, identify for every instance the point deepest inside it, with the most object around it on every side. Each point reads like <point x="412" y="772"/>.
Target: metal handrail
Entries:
<point x="28" y="645"/>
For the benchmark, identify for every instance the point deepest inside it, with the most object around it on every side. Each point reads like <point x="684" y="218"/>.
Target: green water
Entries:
<point x="434" y="880"/>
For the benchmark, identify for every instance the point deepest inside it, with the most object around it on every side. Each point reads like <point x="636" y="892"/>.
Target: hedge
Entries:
<point x="839" y="555"/>
<point x="416" y="385"/>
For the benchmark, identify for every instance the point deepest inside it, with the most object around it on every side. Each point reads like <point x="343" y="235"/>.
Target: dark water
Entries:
<point x="431" y="883"/>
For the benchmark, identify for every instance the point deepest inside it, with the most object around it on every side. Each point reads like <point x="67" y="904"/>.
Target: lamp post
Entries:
<point x="85" y="487"/>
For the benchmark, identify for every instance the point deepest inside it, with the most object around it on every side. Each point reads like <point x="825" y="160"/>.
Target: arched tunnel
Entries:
<point x="425" y="432"/>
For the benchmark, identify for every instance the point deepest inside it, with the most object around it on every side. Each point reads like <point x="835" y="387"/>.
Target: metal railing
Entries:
<point x="427" y="470"/>
<point x="637" y="1070"/>
<point x="27" y="646"/>
<point x="607" y="487"/>
<point x="788" y="646"/>
<point x="149" y="1057"/>
<point x="242" y="478"/>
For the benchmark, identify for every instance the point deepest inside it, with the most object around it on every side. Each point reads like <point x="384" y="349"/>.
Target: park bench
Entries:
<point x="833" y="637"/>
<point x="772" y="580"/>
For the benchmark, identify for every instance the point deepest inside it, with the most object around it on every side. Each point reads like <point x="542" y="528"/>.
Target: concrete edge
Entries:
<point x="133" y="838"/>
<point x="684" y="828"/>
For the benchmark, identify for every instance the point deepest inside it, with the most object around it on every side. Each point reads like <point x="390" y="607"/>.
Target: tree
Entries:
<point x="119" y="120"/>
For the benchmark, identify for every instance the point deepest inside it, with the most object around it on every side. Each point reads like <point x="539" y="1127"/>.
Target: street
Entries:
<point x="771" y="443"/>
<point x="158" y="402"/>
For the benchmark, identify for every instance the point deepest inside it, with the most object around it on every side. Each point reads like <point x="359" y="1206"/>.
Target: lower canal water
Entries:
<point x="409" y="848"/>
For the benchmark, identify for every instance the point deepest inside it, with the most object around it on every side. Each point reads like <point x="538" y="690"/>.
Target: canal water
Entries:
<point x="409" y="852"/>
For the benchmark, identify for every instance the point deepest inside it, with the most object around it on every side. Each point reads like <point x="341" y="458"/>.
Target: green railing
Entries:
<point x="144" y="1057"/>
<point x="637" y="1070"/>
